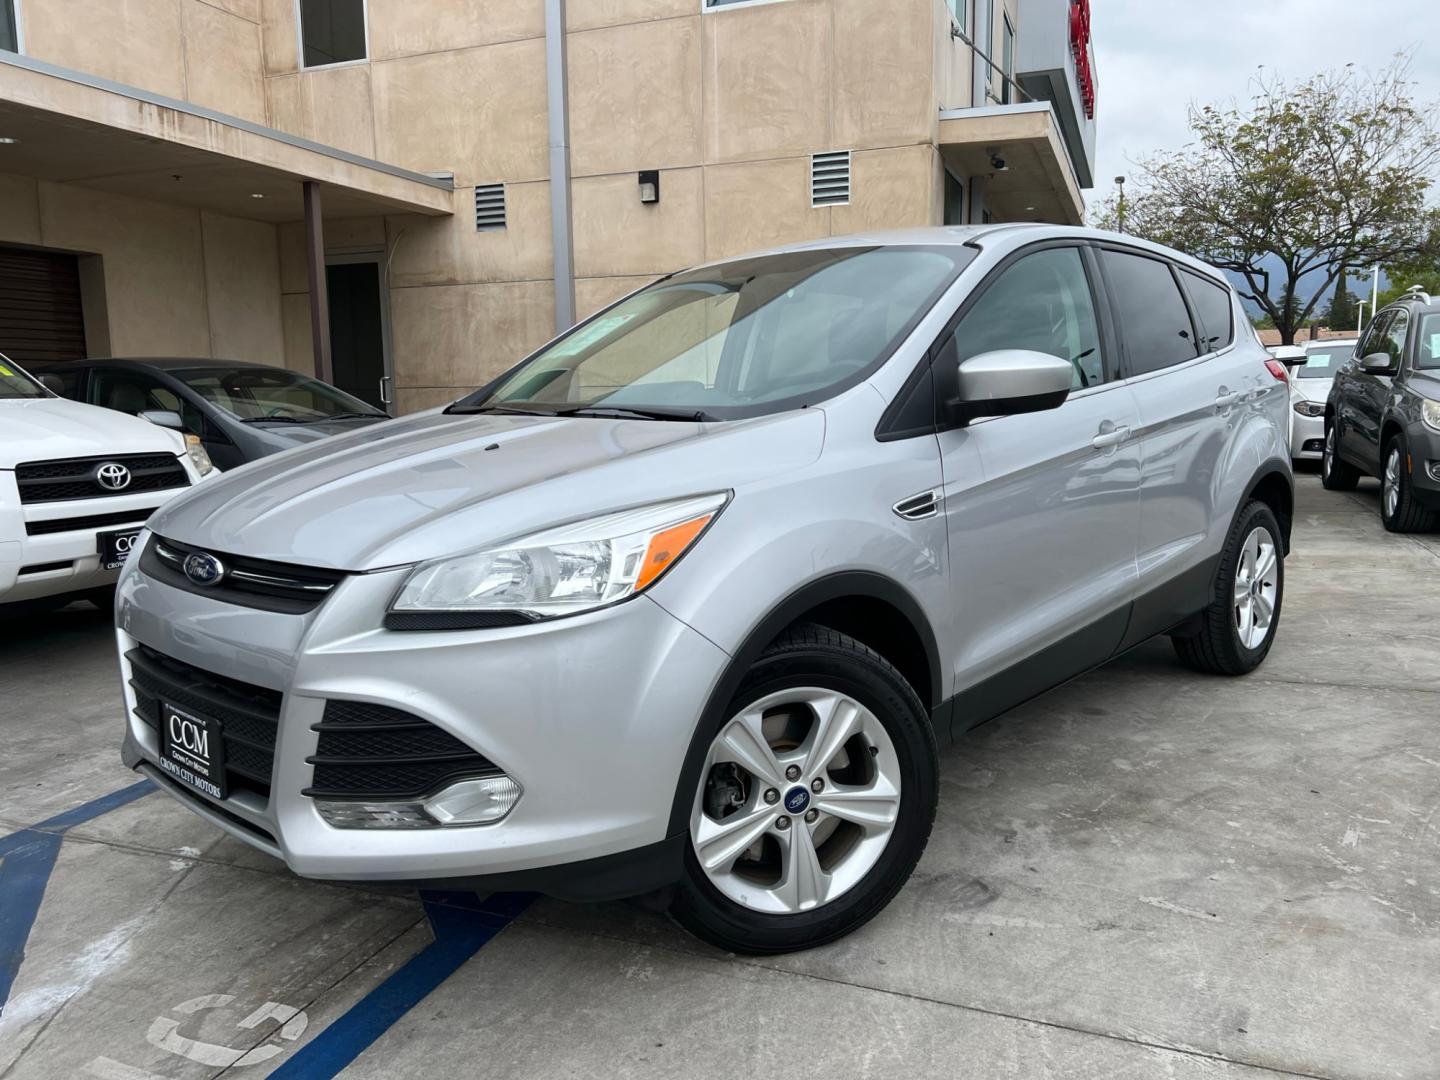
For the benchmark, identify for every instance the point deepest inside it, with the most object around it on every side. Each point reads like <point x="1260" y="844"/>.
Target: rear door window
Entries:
<point x="1214" y="309"/>
<point x="1154" y="323"/>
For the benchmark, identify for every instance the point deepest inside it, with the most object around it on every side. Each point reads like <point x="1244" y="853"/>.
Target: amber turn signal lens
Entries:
<point x="667" y="546"/>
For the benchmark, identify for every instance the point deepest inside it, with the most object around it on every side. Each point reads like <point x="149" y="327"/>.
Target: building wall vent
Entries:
<point x="489" y="207"/>
<point x="830" y="178"/>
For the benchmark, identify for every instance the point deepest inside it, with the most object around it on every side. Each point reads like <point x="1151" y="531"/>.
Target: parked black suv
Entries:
<point x="1383" y="414"/>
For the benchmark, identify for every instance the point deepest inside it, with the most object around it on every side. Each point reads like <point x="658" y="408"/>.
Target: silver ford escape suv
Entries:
<point x="683" y="603"/>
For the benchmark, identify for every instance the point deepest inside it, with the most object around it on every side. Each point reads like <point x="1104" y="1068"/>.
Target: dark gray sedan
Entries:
<point x="1383" y="414"/>
<point x="241" y="411"/>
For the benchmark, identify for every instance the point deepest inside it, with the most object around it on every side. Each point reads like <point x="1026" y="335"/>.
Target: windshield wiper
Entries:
<point x="354" y="416"/>
<point x="275" y="420"/>
<point x="627" y="412"/>
<point x="471" y="410"/>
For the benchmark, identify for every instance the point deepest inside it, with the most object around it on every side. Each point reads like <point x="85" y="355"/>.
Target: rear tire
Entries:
<point x="1238" y="628"/>
<point x="1336" y="475"/>
<point x="1399" y="511"/>
<point x="823" y="826"/>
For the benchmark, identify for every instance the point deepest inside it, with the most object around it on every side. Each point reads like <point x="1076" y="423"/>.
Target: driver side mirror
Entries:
<point x="1009" y="381"/>
<point x="53" y="384"/>
<point x="1377" y="363"/>
<point x="163" y="418"/>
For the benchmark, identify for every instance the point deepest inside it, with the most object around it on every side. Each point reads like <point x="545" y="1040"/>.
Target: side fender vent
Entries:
<point x="918" y="507"/>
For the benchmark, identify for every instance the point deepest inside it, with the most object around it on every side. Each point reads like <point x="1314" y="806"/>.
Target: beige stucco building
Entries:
<point x="154" y="157"/>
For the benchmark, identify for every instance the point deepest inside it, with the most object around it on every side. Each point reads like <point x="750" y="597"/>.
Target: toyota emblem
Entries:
<point x="203" y="568"/>
<point x="112" y="476"/>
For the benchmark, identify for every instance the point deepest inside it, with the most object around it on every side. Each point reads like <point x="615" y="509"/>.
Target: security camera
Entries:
<point x="997" y="163"/>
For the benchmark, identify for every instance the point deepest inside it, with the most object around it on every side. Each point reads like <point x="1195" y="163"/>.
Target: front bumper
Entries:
<point x="1307" y="437"/>
<point x="1423" y="442"/>
<point x="591" y="715"/>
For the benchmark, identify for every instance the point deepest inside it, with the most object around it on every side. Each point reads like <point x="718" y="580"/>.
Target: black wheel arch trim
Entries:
<point x="838" y="586"/>
<point x="1279" y="469"/>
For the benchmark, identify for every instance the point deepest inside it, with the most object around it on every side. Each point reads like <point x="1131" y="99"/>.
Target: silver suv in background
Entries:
<point x="685" y="601"/>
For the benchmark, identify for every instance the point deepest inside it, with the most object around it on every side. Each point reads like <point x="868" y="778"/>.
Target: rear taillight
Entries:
<point x="1277" y="369"/>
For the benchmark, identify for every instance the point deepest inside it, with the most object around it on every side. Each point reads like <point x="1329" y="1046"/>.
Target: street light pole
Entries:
<point x="1120" y="203"/>
<point x="1360" y="318"/>
<point x="1374" y="288"/>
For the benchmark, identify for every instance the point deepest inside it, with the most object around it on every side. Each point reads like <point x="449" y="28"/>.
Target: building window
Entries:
<point x="960" y="9"/>
<point x="1007" y="63"/>
<point x="9" y="27"/>
<point x="331" y="31"/>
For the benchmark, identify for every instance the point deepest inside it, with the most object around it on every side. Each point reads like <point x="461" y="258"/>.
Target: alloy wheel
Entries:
<point x="797" y="801"/>
<point x="1257" y="577"/>
<point x="1390" y="484"/>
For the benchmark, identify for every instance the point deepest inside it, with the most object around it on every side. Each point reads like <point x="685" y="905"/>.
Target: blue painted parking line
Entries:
<point x="27" y="858"/>
<point x="462" y="923"/>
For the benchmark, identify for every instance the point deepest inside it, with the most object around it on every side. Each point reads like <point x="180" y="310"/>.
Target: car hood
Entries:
<point x="42" y="429"/>
<point x="1426" y="384"/>
<point x="286" y="435"/>
<point x="1311" y="389"/>
<point x="432" y="484"/>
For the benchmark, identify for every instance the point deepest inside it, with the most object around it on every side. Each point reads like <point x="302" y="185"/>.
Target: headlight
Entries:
<point x="1310" y="408"/>
<point x="561" y="571"/>
<point x="198" y="457"/>
<point x="1430" y="410"/>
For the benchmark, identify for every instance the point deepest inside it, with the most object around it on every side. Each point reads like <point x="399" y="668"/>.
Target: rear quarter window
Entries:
<point x="1214" y="309"/>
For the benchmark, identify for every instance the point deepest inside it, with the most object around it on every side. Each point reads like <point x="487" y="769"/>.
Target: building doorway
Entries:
<point x="41" y="314"/>
<point x="360" y="327"/>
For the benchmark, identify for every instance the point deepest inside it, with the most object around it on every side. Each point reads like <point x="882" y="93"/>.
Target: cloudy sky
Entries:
<point x="1155" y="56"/>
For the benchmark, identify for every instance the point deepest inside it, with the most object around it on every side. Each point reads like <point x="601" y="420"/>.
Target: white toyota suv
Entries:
<point x="76" y="485"/>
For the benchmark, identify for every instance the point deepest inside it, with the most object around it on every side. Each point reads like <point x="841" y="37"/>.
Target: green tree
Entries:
<point x="1424" y="272"/>
<point x="1329" y="173"/>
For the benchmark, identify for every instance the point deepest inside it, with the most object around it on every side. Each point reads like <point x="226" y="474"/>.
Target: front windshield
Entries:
<point x="1427" y="356"/>
<point x="15" y="382"/>
<point x="261" y="394"/>
<point x="1322" y="363"/>
<point x="744" y="338"/>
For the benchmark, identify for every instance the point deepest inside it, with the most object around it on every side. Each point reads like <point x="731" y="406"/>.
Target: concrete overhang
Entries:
<point x="1038" y="182"/>
<point x="75" y="128"/>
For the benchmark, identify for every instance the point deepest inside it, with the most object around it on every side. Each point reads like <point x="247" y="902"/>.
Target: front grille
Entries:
<point x="376" y="752"/>
<point x="249" y="715"/>
<point x="76" y="478"/>
<point x="89" y="521"/>
<point x="257" y="583"/>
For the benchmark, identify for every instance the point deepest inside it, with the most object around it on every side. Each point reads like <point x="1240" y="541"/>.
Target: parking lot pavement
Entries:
<point x="1145" y="873"/>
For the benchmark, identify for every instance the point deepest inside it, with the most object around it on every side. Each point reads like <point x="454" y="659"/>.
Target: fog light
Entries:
<point x="1433" y="468"/>
<point x="467" y="802"/>
<point x="474" y="802"/>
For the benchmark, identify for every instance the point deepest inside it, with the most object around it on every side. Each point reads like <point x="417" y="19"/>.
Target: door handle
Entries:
<point x="384" y="386"/>
<point x="1114" y="437"/>
<point x="1226" y="398"/>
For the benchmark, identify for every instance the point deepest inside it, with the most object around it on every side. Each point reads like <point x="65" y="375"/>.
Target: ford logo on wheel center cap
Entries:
<point x="797" y="799"/>
<point x="113" y="476"/>
<point x="203" y="568"/>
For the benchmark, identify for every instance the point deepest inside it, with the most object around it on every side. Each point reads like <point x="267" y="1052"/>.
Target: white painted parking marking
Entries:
<point x="109" y="1069"/>
<point x="164" y="1032"/>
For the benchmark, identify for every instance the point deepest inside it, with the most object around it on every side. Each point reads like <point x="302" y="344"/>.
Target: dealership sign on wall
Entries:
<point x="1080" y="47"/>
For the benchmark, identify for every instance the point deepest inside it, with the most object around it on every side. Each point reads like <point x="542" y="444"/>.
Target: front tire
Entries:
<point x="1238" y="628"/>
<point x="1399" y="511"/>
<point x="1336" y="475"/>
<point x="815" y="801"/>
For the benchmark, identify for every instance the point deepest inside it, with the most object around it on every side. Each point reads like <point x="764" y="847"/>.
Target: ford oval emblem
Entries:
<point x="203" y="568"/>
<point x="796" y="800"/>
